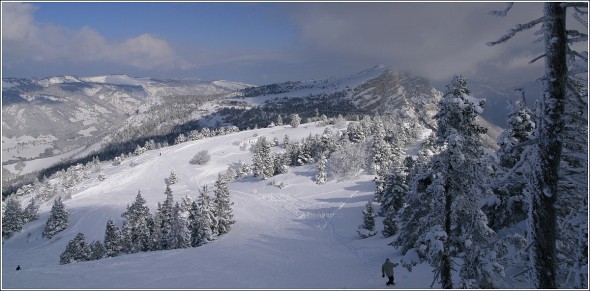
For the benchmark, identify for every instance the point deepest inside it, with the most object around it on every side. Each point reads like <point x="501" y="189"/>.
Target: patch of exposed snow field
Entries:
<point x="303" y="235"/>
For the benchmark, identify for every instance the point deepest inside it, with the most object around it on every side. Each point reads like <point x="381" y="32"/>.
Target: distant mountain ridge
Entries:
<point x="54" y="115"/>
<point x="64" y="116"/>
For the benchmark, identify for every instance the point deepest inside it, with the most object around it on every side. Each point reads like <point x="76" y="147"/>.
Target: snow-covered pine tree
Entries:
<point x="451" y="182"/>
<point x="136" y="232"/>
<point x="543" y="186"/>
<point x="355" y="133"/>
<point x="58" y="219"/>
<point x="367" y="229"/>
<point x="97" y="251"/>
<point x="280" y="163"/>
<point x="155" y="228"/>
<point x="180" y="233"/>
<point x="321" y="176"/>
<point x="30" y="213"/>
<point x="279" y="120"/>
<point x="262" y="162"/>
<point x="390" y="223"/>
<point x="460" y="164"/>
<point x="165" y="215"/>
<point x="222" y="206"/>
<point x="201" y="219"/>
<point x="112" y="240"/>
<point x="77" y="250"/>
<point x="421" y="213"/>
<point x="173" y="178"/>
<point x="508" y="204"/>
<point x="243" y="170"/>
<point x="12" y="218"/>
<point x="393" y="193"/>
<point x="295" y="120"/>
<point x="328" y="142"/>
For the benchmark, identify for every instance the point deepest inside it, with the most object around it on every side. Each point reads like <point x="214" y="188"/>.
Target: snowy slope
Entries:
<point x="301" y="236"/>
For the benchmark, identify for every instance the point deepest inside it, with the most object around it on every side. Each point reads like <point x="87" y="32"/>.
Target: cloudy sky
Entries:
<point x="261" y="43"/>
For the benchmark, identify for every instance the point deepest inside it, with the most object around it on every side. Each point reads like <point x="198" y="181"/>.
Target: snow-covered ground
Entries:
<point x="301" y="236"/>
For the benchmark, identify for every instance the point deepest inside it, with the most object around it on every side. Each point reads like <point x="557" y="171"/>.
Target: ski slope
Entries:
<point x="300" y="236"/>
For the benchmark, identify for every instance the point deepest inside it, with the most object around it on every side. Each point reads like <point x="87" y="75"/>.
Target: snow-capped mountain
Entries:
<point x="47" y="120"/>
<point x="377" y="90"/>
<point x="56" y="115"/>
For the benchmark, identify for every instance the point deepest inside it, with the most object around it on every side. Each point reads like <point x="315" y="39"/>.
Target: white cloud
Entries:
<point x="25" y="40"/>
<point x="436" y="40"/>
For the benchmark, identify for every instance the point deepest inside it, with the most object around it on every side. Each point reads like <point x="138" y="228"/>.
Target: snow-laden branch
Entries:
<point x="579" y="16"/>
<point x="576" y="36"/>
<point x="502" y="13"/>
<point x="518" y="28"/>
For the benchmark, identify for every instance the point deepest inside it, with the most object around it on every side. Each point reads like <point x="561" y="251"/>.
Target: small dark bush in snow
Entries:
<point x="201" y="158"/>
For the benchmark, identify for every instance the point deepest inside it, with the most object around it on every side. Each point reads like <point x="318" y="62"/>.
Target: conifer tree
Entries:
<point x="222" y="206"/>
<point x="165" y="215"/>
<point x="262" y="162"/>
<point x="58" y="219"/>
<point x="173" y="178"/>
<point x="12" y="218"/>
<point x="180" y="233"/>
<point x="543" y="191"/>
<point x="295" y="120"/>
<point x="367" y="229"/>
<point x="389" y="223"/>
<point x="112" y="240"/>
<point x="394" y="192"/>
<point x="321" y="175"/>
<point x="201" y="219"/>
<point x="30" y="213"/>
<point x="136" y="231"/>
<point x="97" y="251"/>
<point x="77" y="250"/>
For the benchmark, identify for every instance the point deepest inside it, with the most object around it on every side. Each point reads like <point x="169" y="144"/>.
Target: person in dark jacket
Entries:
<point x="18" y="268"/>
<point x="387" y="269"/>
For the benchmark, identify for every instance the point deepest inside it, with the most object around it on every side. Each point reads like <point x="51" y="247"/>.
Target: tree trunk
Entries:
<point x="544" y="193"/>
<point x="445" y="273"/>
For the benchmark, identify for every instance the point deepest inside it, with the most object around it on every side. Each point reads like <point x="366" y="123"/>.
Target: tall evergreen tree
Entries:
<point x="452" y="180"/>
<point x="165" y="214"/>
<point x="13" y="217"/>
<point x="262" y="162"/>
<point x="58" y="219"/>
<point x="295" y="120"/>
<point x="543" y="186"/>
<point x="30" y="213"/>
<point x="367" y="229"/>
<point x="112" y="240"/>
<point x="201" y="219"/>
<point x="136" y="231"/>
<point x="222" y="206"/>
<point x="321" y="175"/>
<point x="180" y="233"/>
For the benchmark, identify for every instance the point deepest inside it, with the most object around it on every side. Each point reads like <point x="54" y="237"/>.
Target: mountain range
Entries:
<point x="45" y="121"/>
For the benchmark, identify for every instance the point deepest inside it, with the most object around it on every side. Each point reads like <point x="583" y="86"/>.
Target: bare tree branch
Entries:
<point x="537" y="58"/>
<point x="502" y="13"/>
<point x="518" y="28"/>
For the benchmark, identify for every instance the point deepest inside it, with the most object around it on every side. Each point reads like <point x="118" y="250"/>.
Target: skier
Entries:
<point x="387" y="269"/>
<point x="18" y="268"/>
